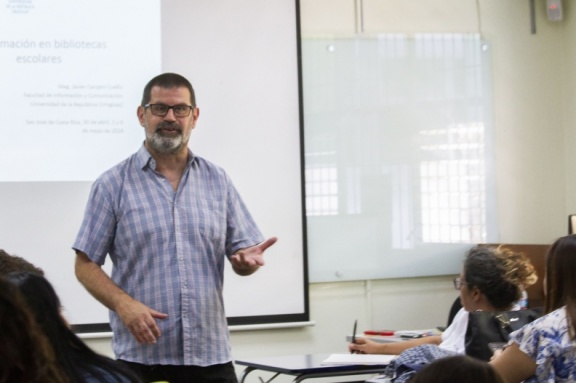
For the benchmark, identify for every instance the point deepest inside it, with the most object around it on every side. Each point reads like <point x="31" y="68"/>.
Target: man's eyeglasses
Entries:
<point x="458" y="282"/>
<point x="181" y="110"/>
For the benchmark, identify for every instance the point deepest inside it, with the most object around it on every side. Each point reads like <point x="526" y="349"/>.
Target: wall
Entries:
<point x="568" y="99"/>
<point x="534" y="117"/>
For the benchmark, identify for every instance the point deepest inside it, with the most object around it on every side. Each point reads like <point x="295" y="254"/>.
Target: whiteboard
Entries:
<point x="73" y="98"/>
<point x="398" y="154"/>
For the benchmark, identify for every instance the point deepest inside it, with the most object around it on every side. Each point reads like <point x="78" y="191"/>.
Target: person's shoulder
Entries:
<point x="461" y="315"/>
<point x="201" y="161"/>
<point x="208" y="166"/>
<point x="552" y="318"/>
<point x="550" y="330"/>
<point x="458" y="326"/>
<point x="119" y="169"/>
<point x="547" y="326"/>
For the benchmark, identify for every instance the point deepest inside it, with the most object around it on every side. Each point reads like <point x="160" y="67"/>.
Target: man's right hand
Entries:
<point x="137" y="317"/>
<point x="141" y="321"/>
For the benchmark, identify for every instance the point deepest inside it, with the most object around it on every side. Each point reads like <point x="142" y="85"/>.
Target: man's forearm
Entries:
<point x="98" y="283"/>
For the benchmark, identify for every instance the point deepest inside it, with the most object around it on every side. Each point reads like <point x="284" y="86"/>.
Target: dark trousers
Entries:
<point x="218" y="373"/>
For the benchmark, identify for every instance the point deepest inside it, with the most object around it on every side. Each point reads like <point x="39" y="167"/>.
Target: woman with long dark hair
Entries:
<point x="79" y="362"/>
<point x="25" y="354"/>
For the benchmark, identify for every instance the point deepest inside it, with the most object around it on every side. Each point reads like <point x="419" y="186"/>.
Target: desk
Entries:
<point x="303" y="367"/>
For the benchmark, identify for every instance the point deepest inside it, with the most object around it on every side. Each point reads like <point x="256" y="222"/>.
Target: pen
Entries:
<point x="414" y="336"/>
<point x="354" y="333"/>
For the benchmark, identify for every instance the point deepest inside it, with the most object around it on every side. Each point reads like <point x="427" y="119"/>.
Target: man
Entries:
<point x="168" y="220"/>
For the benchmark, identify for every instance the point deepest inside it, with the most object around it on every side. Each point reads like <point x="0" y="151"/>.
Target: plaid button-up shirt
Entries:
<point x="168" y="250"/>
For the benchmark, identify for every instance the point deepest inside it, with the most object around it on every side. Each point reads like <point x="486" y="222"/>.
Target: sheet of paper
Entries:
<point x="354" y="359"/>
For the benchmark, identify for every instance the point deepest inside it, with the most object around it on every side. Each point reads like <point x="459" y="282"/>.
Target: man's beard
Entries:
<point x="163" y="144"/>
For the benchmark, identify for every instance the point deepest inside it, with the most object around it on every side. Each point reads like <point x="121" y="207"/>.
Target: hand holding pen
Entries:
<point x="363" y="346"/>
<point x="359" y="345"/>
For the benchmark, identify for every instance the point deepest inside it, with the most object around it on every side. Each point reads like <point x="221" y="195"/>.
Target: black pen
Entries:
<point x="354" y="334"/>
<point x="414" y="336"/>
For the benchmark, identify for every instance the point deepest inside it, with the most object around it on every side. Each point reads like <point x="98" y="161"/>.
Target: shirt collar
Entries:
<point x="145" y="159"/>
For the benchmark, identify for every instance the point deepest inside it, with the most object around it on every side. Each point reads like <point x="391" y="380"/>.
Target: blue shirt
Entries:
<point x="548" y="342"/>
<point x="168" y="250"/>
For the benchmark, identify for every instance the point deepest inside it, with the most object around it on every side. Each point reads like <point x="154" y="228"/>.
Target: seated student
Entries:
<point x="75" y="358"/>
<point x="491" y="280"/>
<point x="25" y="354"/>
<point x="458" y="368"/>
<point x="545" y="350"/>
<point x="12" y="263"/>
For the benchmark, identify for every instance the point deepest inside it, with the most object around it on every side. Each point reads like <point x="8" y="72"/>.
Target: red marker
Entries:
<point x="380" y="332"/>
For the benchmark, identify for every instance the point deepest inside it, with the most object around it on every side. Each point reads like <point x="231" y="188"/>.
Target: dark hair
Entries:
<point x="12" y="263"/>
<point x="561" y="278"/>
<point x="75" y="358"/>
<point x="458" y="368"/>
<point x="499" y="273"/>
<point x="168" y="80"/>
<point x="25" y="354"/>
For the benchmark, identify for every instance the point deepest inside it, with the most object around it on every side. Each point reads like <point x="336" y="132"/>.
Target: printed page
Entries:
<point x="355" y="359"/>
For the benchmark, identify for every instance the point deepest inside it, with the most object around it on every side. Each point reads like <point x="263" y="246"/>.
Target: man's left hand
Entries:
<point x="248" y="260"/>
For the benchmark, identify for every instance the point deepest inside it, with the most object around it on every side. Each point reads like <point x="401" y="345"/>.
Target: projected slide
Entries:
<point x="71" y="79"/>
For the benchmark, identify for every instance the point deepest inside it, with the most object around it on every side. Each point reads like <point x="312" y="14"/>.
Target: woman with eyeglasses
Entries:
<point x="492" y="279"/>
<point x="545" y="350"/>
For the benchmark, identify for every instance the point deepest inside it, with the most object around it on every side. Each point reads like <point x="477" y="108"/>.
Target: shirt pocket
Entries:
<point x="206" y="219"/>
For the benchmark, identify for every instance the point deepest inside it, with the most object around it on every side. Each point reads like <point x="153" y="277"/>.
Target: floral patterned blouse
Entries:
<point x="547" y="341"/>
